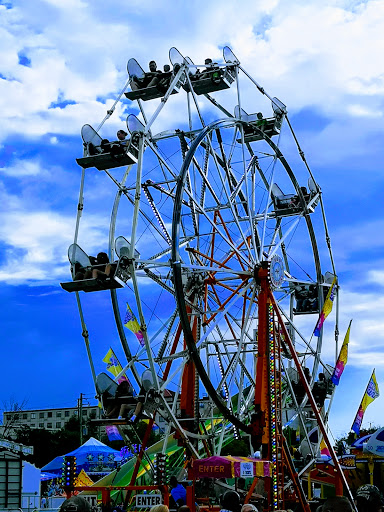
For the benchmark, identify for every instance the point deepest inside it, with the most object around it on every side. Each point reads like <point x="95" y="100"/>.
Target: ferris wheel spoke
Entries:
<point x="276" y="232"/>
<point x="284" y="237"/>
<point x="235" y="215"/>
<point x="218" y="315"/>
<point x="238" y="323"/>
<point x="157" y="215"/>
<point x="236" y="293"/>
<point x="147" y="218"/>
<point x="223" y="235"/>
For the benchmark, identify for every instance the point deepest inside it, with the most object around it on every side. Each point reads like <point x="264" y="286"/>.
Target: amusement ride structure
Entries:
<point x="219" y="243"/>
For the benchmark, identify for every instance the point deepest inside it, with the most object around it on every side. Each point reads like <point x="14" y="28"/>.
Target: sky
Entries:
<point x="64" y="63"/>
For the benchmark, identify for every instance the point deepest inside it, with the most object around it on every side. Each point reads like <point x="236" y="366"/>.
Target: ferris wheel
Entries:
<point x="219" y="233"/>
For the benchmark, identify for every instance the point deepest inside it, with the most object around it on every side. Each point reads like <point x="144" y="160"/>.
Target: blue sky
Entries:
<point x="63" y="63"/>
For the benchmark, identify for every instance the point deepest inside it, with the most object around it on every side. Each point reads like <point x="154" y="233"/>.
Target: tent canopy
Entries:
<point x="229" y="467"/>
<point x="90" y="456"/>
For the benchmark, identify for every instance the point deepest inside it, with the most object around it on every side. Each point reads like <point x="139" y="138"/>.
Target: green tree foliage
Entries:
<point x="45" y="444"/>
<point x="236" y="447"/>
<point x="351" y="437"/>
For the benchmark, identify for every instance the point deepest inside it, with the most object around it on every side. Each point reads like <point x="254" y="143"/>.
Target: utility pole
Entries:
<point x="80" y="409"/>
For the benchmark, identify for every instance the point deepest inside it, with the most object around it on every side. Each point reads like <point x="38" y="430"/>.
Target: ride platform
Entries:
<point x="105" y="161"/>
<point x="110" y="421"/>
<point x="147" y="93"/>
<point x="90" y="285"/>
<point x="207" y="85"/>
<point x="270" y="126"/>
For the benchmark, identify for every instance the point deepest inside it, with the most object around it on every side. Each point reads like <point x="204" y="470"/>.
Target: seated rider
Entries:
<point x="121" y="136"/>
<point x="310" y="303"/>
<point x="153" y="75"/>
<point x="103" y="267"/>
<point x="212" y="70"/>
<point x="113" y="148"/>
<point x="261" y="122"/>
<point x="144" y="81"/>
<point x="165" y="78"/>
<point x="123" y="404"/>
<point x="296" y="199"/>
<point x="319" y="390"/>
<point x="298" y="387"/>
<point x="84" y="272"/>
<point x="100" y="268"/>
<point x="301" y="294"/>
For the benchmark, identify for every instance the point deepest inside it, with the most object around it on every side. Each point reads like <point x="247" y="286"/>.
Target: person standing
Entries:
<point x="230" y="502"/>
<point x="178" y="491"/>
<point x="369" y="499"/>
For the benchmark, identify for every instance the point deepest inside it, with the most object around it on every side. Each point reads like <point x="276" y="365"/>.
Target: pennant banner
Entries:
<point x="324" y="451"/>
<point x="327" y="307"/>
<point x="371" y="393"/>
<point x="83" y="479"/>
<point x="342" y="359"/>
<point x="132" y="324"/>
<point x="113" y="433"/>
<point x="113" y="365"/>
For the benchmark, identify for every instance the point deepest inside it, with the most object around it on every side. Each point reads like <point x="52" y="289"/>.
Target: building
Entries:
<point x="49" y="419"/>
<point x="19" y="480"/>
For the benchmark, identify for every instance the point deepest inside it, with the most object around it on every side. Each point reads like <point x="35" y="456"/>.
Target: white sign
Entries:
<point x="148" y="500"/>
<point x="91" y="498"/>
<point x="246" y="469"/>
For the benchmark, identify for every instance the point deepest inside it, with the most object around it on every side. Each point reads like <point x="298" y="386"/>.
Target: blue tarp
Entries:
<point x="91" y="456"/>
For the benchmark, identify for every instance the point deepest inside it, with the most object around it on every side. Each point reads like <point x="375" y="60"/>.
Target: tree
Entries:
<point x="68" y="437"/>
<point x="45" y="446"/>
<point x="351" y="437"/>
<point x="92" y="429"/>
<point x="11" y="422"/>
<point x="236" y="447"/>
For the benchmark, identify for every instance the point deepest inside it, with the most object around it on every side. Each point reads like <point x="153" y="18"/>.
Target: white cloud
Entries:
<point x="22" y="168"/>
<point x="376" y="276"/>
<point x="37" y="244"/>
<point x="307" y="54"/>
<point x="320" y="56"/>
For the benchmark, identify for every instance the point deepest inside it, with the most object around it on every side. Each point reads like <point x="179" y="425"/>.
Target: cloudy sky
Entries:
<point x="63" y="63"/>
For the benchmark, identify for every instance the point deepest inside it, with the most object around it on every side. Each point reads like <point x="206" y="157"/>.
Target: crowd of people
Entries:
<point x="368" y="498"/>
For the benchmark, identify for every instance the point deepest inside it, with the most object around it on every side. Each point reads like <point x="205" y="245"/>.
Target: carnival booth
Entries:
<point x="231" y="467"/>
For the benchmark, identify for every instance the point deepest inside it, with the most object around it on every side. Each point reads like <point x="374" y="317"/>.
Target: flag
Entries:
<point x="113" y="433"/>
<point x="327" y="307"/>
<point x="324" y="451"/>
<point x="83" y="479"/>
<point x="342" y="359"/>
<point x="113" y="365"/>
<point x="371" y="393"/>
<point x="132" y="324"/>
